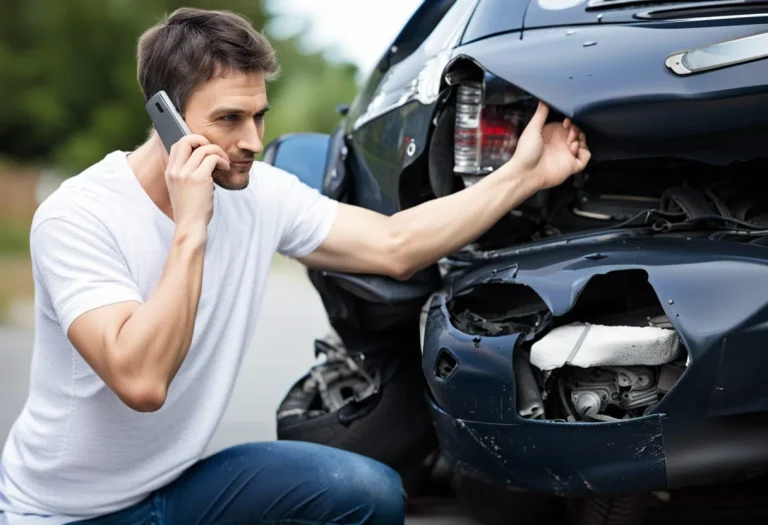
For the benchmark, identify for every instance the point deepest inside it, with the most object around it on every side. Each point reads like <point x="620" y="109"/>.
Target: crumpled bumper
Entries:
<point x="544" y="456"/>
<point x="707" y="429"/>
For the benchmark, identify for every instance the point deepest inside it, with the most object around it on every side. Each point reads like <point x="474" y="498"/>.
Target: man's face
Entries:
<point x="229" y="111"/>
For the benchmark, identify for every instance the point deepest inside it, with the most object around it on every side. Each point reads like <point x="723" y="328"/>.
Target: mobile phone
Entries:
<point x="166" y="118"/>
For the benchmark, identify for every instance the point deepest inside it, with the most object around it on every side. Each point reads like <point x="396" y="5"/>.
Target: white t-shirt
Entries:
<point x="76" y="450"/>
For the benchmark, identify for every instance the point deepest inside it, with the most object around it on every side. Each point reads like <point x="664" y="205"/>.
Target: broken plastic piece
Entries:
<point x="585" y="345"/>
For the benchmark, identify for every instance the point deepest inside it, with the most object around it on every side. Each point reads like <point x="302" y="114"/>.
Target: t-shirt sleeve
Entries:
<point x="305" y="217"/>
<point x="80" y="266"/>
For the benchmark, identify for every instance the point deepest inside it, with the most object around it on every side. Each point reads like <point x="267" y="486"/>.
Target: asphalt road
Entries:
<point x="281" y="351"/>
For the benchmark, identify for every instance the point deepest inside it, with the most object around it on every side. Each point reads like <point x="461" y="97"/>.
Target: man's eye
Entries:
<point x="229" y="118"/>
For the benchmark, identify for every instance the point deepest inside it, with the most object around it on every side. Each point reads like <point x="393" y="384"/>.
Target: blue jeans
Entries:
<point x="283" y="482"/>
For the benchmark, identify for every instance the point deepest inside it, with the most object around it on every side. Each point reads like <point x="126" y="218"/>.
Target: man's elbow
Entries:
<point x="402" y="273"/>
<point x="139" y="390"/>
<point x="142" y="395"/>
<point x="399" y="255"/>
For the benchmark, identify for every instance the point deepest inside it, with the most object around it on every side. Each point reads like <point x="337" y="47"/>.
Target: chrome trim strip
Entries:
<point x="719" y="55"/>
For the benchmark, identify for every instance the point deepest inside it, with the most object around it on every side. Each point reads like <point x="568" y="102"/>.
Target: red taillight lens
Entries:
<point x="485" y="137"/>
<point x="499" y="129"/>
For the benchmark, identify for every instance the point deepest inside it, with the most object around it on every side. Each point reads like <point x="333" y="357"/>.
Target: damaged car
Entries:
<point x="603" y="342"/>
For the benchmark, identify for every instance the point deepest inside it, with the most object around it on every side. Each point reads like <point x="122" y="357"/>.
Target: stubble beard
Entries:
<point x="232" y="179"/>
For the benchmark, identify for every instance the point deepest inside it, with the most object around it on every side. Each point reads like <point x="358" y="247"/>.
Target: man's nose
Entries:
<point x="250" y="140"/>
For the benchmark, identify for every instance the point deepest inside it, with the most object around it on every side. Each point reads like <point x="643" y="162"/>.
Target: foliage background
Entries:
<point x="68" y="78"/>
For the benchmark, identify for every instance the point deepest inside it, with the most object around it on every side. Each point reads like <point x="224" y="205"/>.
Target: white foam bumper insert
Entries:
<point x="586" y="345"/>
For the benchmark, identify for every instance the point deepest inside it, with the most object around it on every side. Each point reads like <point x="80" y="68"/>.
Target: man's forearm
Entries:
<point x="437" y="228"/>
<point x="152" y="344"/>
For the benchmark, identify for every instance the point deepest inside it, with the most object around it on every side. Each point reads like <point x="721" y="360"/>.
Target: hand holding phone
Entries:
<point x="191" y="162"/>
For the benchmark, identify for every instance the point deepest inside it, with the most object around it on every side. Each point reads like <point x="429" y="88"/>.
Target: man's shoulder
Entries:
<point x="91" y="192"/>
<point x="266" y="189"/>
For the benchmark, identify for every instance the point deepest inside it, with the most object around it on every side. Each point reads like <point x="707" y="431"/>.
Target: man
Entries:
<point x="148" y="287"/>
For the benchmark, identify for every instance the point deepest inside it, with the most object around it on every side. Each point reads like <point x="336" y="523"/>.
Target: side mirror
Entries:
<point x="301" y="154"/>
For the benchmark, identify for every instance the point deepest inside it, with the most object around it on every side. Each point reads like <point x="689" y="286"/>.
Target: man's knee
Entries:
<point x="292" y="480"/>
<point x="347" y="488"/>
<point x="369" y="492"/>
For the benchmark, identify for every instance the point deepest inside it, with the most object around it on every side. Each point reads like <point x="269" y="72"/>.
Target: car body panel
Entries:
<point x="382" y="150"/>
<point x="563" y="13"/>
<point x="577" y="460"/>
<point x="701" y="289"/>
<point x="629" y="104"/>
<point x="493" y="17"/>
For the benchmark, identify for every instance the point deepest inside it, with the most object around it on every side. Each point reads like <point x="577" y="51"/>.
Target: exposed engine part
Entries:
<point x="668" y="376"/>
<point x="607" y="394"/>
<point x="587" y="403"/>
<point x="660" y="321"/>
<point x="338" y="381"/>
<point x="612" y="207"/>
<point x="689" y="201"/>
<point x="529" y="402"/>
<point x="498" y="308"/>
<point x="505" y="322"/>
<point x="592" y="390"/>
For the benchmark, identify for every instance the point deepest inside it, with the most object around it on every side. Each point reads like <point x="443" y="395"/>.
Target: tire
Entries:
<point x="628" y="509"/>
<point x="393" y="426"/>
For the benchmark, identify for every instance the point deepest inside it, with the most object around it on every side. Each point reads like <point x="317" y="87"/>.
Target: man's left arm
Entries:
<point x="364" y="241"/>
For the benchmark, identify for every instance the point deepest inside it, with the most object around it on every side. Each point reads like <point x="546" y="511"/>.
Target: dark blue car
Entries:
<point x="608" y="339"/>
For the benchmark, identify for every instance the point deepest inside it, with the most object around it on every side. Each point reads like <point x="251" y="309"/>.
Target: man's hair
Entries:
<point x="191" y="45"/>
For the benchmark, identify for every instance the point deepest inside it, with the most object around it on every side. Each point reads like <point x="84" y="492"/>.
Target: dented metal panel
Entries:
<point x="574" y="460"/>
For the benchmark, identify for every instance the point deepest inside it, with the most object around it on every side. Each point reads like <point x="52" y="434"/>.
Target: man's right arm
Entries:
<point x="137" y="347"/>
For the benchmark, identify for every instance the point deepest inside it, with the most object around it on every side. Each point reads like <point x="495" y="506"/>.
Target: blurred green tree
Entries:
<point x="68" y="87"/>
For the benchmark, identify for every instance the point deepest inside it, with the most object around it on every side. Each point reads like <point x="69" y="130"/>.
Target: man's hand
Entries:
<point x="190" y="185"/>
<point x="550" y="153"/>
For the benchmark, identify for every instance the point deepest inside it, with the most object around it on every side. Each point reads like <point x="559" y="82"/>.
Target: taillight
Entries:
<point x="485" y="136"/>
